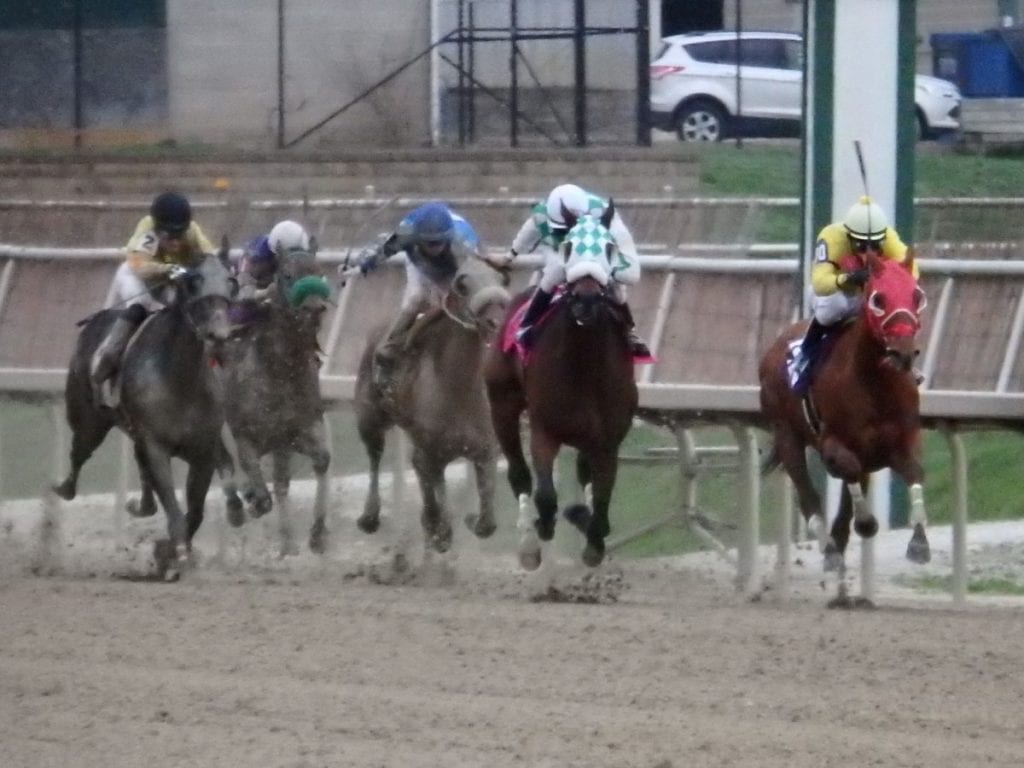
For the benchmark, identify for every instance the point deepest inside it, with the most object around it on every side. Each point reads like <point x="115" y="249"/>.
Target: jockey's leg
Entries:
<point x="107" y="357"/>
<point x="637" y="346"/>
<point x="389" y="349"/>
<point x="829" y="311"/>
<point x="551" y="277"/>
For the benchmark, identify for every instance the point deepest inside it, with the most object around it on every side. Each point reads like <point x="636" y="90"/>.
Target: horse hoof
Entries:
<point x="866" y="528"/>
<point x="136" y="508"/>
<point x="368" y="523"/>
<point x="235" y="512"/>
<point x="530" y="561"/>
<point x="833" y="558"/>
<point x="919" y="552"/>
<point x="318" y="539"/>
<point x="593" y="555"/>
<point x="65" y="490"/>
<point x="578" y="515"/>
<point x="863" y="603"/>
<point x="842" y="601"/>
<point x="442" y="542"/>
<point x="545" y="529"/>
<point x="482" y="526"/>
<point x="261" y="506"/>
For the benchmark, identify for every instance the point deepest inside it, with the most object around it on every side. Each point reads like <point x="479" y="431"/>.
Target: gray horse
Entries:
<point x="438" y="398"/>
<point x="171" y="400"/>
<point x="273" y="392"/>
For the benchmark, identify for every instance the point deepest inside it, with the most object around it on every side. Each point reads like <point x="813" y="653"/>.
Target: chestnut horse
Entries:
<point x="861" y="413"/>
<point x="577" y="388"/>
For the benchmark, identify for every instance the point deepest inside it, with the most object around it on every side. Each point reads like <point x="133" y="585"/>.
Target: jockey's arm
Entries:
<point x="528" y="238"/>
<point x="626" y="266"/>
<point x="198" y="240"/>
<point x="141" y="252"/>
<point x="373" y="257"/>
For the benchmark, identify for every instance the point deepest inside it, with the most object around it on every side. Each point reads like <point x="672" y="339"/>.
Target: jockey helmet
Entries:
<point x="258" y="250"/>
<point x="171" y="213"/>
<point x="287" y="236"/>
<point x="865" y="221"/>
<point x="566" y="203"/>
<point x="434" y="224"/>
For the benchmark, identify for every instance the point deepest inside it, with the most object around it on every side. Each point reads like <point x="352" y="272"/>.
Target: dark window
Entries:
<point x="713" y="52"/>
<point x="763" y="53"/>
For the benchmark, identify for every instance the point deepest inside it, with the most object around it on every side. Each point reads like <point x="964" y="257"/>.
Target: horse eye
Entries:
<point x="920" y="300"/>
<point x="876" y="303"/>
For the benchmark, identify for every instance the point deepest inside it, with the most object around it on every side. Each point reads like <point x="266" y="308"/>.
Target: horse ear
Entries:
<point x="461" y="284"/>
<point x="224" y="252"/>
<point x="875" y="263"/>
<point x="568" y="216"/>
<point x="609" y="214"/>
<point x="314" y="245"/>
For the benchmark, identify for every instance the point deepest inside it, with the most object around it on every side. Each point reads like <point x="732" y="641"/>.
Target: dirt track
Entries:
<point x="314" y="663"/>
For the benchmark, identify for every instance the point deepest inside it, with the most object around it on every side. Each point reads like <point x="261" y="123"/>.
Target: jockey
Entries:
<point x="544" y="231"/>
<point x="839" y="274"/>
<point x="258" y="266"/>
<point x="165" y="243"/>
<point x="436" y="241"/>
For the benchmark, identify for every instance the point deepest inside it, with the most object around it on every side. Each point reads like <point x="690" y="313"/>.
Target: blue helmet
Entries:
<point x="433" y="223"/>
<point x="259" y="250"/>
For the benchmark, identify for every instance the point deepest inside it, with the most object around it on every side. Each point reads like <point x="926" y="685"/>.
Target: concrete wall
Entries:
<point x="222" y="71"/>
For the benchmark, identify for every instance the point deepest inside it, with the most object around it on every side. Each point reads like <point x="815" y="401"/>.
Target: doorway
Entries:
<point x="679" y="16"/>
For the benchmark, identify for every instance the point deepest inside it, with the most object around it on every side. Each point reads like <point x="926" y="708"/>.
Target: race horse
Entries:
<point x="861" y="412"/>
<point x="577" y="388"/>
<point x="273" y="403"/>
<point x="436" y="395"/>
<point x="170" y="402"/>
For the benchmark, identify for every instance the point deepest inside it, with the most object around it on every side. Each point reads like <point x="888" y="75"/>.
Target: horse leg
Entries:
<point x="235" y="511"/>
<point x="604" y="467"/>
<point x="578" y="514"/>
<point x="543" y="451"/>
<point x="909" y="468"/>
<point x="89" y="429"/>
<point x="792" y="453"/>
<point x="437" y="527"/>
<point x="158" y="463"/>
<point x="507" y="404"/>
<point x="282" y="482"/>
<point x="313" y="443"/>
<point x="835" y="549"/>
<point x="200" y="474"/>
<point x="485" y="470"/>
<point x="255" y="492"/>
<point x="371" y="432"/>
<point x="146" y="505"/>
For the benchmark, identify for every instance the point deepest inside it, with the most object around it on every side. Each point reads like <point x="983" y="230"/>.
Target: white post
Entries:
<point x="783" y="550"/>
<point x="959" y="457"/>
<point x="435" y="74"/>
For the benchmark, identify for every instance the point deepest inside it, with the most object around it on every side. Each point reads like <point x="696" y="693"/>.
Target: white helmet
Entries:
<point x="865" y="220"/>
<point x="288" y="236"/>
<point x="570" y="197"/>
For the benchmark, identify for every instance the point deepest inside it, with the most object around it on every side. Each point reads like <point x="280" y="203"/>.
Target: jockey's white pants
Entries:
<point x="419" y="287"/>
<point x="837" y="307"/>
<point x="552" y="274"/>
<point x="128" y="289"/>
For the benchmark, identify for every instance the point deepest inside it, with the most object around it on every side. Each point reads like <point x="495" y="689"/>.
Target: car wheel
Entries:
<point x="701" y="121"/>
<point x="923" y="133"/>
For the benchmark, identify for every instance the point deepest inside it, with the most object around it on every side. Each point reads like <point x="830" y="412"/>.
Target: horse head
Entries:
<point x="590" y="250"/>
<point x="477" y="299"/>
<point x="301" y="287"/>
<point x="204" y="295"/>
<point x="893" y="302"/>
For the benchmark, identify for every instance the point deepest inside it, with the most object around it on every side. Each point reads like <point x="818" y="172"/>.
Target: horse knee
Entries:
<point x="841" y="462"/>
<point x="321" y="463"/>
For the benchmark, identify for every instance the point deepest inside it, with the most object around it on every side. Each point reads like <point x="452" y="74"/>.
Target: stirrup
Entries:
<point x="524" y="336"/>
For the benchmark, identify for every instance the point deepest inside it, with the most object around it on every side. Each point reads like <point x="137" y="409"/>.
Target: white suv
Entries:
<point x="693" y="87"/>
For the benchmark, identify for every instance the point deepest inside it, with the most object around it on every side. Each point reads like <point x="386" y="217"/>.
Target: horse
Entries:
<point x="170" y="401"/>
<point x="438" y="399"/>
<point x="577" y="388"/>
<point x="273" y="402"/>
<point x="862" y="412"/>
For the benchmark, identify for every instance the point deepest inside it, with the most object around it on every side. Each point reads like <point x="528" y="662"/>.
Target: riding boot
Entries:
<point x="388" y="350"/>
<point x="637" y="346"/>
<point x="107" y="358"/>
<point x="538" y="304"/>
<point x="804" y="353"/>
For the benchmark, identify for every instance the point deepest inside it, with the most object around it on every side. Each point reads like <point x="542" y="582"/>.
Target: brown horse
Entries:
<point x="437" y="396"/>
<point x="862" y="411"/>
<point x="577" y="389"/>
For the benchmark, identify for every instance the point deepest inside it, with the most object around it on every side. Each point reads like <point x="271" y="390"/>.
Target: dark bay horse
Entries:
<point x="171" y="398"/>
<point x="578" y="389"/>
<point x="863" y="412"/>
<point x="273" y="403"/>
<point x="438" y="398"/>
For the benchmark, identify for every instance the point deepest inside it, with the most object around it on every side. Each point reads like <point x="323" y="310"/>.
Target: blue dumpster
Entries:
<point x="982" y="64"/>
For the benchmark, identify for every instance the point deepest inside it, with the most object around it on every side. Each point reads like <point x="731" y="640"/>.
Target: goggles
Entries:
<point x="863" y="246"/>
